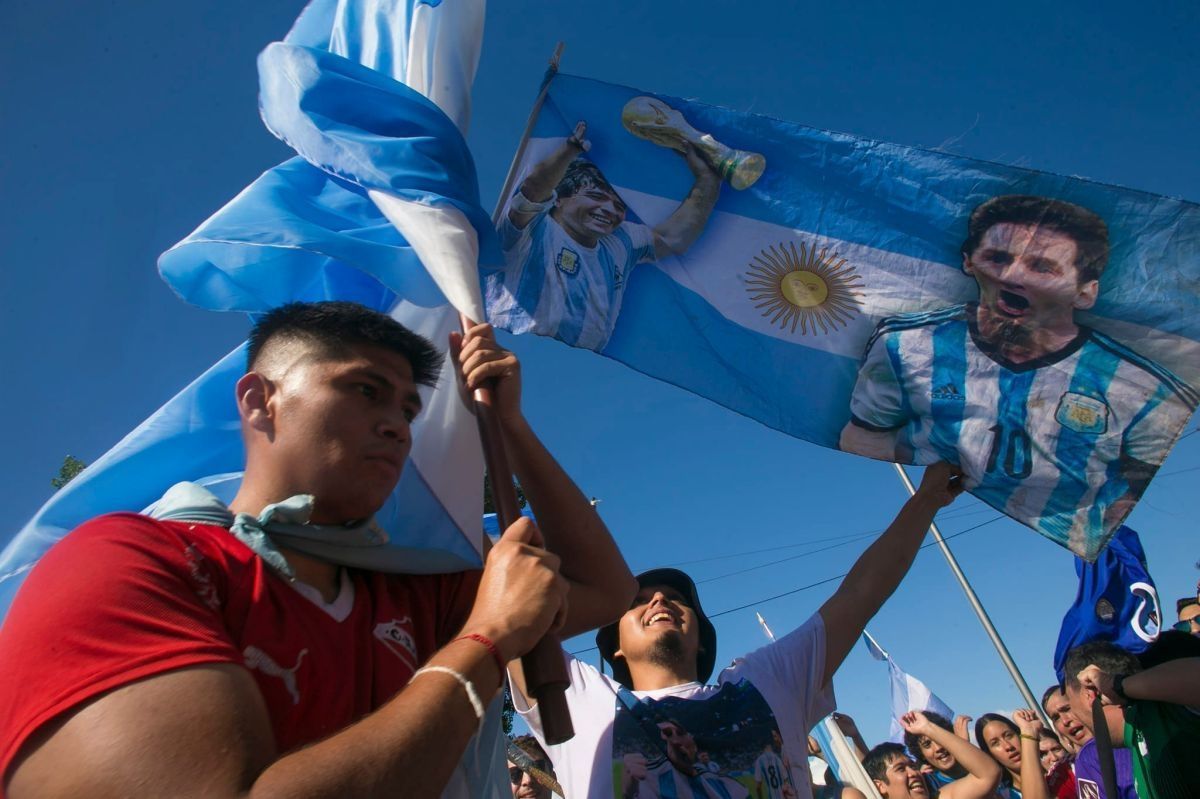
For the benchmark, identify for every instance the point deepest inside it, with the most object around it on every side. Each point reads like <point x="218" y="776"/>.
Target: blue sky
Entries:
<point x="126" y="124"/>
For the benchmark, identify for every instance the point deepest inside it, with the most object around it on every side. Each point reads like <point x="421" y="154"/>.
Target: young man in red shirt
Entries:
<point x="212" y="655"/>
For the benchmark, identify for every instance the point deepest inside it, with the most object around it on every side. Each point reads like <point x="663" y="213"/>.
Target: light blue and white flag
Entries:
<point x="380" y="207"/>
<point x="827" y="295"/>
<point x="908" y="693"/>
<point x="309" y="230"/>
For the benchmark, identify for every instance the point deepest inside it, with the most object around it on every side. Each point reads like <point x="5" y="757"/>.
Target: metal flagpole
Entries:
<point x="850" y="770"/>
<point x="988" y="627"/>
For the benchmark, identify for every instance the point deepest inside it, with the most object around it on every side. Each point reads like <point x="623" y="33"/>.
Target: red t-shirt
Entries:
<point x="125" y="596"/>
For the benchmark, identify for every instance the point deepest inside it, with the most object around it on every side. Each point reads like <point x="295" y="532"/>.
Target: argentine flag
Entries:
<point x="908" y="693"/>
<point x="352" y="88"/>
<point x="380" y="206"/>
<point x="825" y="293"/>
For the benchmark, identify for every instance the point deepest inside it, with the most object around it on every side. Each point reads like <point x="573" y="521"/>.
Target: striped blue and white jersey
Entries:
<point x="1051" y="442"/>
<point x="772" y="779"/>
<point x="554" y="286"/>
<point x="664" y="781"/>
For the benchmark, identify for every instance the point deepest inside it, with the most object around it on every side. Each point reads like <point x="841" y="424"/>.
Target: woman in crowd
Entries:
<point x="1051" y="752"/>
<point x="1015" y="747"/>
<point x="1057" y="762"/>
<point x="943" y="768"/>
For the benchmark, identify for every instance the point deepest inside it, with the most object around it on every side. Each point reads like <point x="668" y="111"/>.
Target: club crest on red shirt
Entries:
<point x="396" y="635"/>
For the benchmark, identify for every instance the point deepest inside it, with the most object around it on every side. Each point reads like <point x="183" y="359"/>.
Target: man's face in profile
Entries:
<point x="341" y="430"/>
<point x="1029" y="278"/>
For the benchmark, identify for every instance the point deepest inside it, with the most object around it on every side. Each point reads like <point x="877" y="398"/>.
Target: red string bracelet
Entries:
<point x="491" y="648"/>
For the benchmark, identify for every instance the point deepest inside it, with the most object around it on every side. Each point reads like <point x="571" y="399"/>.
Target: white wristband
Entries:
<point x="463" y="681"/>
<point x="523" y="205"/>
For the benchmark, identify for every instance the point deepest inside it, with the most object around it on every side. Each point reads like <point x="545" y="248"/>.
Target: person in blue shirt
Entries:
<point x="569" y="248"/>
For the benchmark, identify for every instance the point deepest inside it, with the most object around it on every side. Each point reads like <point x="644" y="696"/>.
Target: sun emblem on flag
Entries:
<point x="804" y="289"/>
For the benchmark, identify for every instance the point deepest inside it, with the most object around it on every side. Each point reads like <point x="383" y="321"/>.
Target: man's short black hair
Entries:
<point x="912" y="741"/>
<point x="580" y="175"/>
<point x="334" y="326"/>
<point x="1105" y="654"/>
<point x="877" y="760"/>
<point x="1049" y="692"/>
<point x="1186" y="602"/>
<point x="1086" y="229"/>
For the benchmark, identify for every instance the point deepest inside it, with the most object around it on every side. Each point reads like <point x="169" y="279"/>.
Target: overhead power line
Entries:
<point x="820" y="582"/>
<point x="956" y="513"/>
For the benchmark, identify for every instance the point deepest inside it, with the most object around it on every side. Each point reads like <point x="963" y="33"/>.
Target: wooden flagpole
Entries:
<point x="545" y="670"/>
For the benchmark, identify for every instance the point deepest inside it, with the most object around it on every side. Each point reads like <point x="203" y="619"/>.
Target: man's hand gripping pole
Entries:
<point x="545" y="671"/>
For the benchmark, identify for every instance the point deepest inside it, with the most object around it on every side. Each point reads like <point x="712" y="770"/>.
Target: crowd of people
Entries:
<point x="212" y="650"/>
<point x="999" y="756"/>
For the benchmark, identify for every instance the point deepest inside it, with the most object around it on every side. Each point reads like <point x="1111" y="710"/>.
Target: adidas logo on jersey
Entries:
<point x="947" y="392"/>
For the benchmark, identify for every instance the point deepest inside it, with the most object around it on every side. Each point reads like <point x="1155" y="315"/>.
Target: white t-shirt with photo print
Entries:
<point x="775" y="689"/>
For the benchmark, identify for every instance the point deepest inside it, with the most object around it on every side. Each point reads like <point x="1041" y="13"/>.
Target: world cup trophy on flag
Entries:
<point x="655" y="121"/>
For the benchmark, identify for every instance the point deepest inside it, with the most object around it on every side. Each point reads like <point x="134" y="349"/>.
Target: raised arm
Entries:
<point x="880" y="569"/>
<point x="1033" y="778"/>
<point x="601" y="586"/>
<point x="983" y="773"/>
<point x="677" y="232"/>
<point x="538" y="186"/>
<point x="204" y="731"/>
<point x="857" y="745"/>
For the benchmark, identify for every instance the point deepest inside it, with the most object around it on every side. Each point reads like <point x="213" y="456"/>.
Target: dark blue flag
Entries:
<point x="1117" y="601"/>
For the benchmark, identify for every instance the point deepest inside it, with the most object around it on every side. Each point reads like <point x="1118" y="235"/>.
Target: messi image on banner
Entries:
<point x="1027" y="400"/>
<point x="1043" y="332"/>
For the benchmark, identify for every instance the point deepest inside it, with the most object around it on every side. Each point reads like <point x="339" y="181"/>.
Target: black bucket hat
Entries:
<point x="608" y="638"/>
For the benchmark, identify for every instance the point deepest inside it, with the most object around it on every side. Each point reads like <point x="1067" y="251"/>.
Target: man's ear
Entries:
<point x="1088" y="291"/>
<point x="254" y="398"/>
<point x="966" y="264"/>
<point x="881" y="787"/>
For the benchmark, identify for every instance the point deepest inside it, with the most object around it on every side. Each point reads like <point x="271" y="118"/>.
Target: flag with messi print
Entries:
<point x="1043" y="332"/>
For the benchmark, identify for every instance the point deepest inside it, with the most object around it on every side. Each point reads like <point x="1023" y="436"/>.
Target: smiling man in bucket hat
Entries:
<point x="639" y="733"/>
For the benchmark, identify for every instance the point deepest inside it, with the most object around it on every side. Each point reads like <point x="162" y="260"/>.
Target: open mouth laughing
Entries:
<point x="660" y="617"/>
<point x="941" y="759"/>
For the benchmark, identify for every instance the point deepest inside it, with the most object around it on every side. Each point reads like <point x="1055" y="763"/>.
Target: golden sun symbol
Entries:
<point x="804" y="289"/>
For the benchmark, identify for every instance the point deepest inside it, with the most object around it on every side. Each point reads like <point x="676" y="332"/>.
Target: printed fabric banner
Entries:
<point x="1043" y="332"/>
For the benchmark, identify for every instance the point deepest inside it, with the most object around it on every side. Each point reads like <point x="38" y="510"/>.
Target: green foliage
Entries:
<point x="71" y="466"/>
<point x="506" y="715"/>
<point x="489" y="504"/>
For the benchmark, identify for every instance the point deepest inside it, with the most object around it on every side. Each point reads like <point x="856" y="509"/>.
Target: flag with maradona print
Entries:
<point x="1043" y="332"/>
